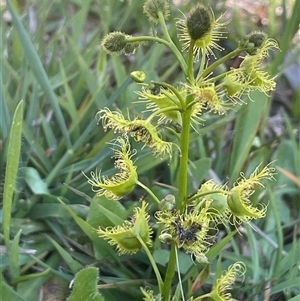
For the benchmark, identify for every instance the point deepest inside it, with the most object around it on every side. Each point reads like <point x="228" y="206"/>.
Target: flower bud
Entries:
<point x="150" y="295"/>
<point x="253" y="41"/>
<point x="154" y="88"/>
<point x="167" y="203"/>
<point x="166" y="238"/>
<point x="153" y="7"/>
<point x="138" y="76"/>
<point x="201" y="258"/>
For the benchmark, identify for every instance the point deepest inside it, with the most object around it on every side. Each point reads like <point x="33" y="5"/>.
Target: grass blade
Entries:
<point x="246" y="126"/>
<point x="13" y="157"/>
<point x="38" y="70"/>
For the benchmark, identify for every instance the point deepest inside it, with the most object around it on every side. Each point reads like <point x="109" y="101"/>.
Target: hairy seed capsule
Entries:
<point x="199" y="22"/>
<point x="114" y="42"/>
<point x="153" y="7"/>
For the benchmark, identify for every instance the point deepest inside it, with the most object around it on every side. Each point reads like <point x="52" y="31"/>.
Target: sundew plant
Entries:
<point x="185" y="222"/>
<point x="146" y="153"/>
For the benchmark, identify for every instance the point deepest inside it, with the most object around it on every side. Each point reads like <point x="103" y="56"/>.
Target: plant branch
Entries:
<point x="154" y="266"/>
<point x="149" y="191"/>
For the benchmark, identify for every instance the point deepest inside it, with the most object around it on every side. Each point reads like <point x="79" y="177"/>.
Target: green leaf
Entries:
<point x="74" y="265"/>
<point x="85" y="287"/>
<point x="5" y="119"/>
<point x="162" y="257"/>
<point x="34" y="181"/>
<point x="104" y="213"/>
<point x="198" y="170"/>
<point x="218" y="247"/>
<point x="285" y="285"/>
<point x="7" y="292"/>
<point x="102" y="248"/>
<point x="246" y="126"/>
<point x="13" y="157"/>
<point x="14" y="256"/>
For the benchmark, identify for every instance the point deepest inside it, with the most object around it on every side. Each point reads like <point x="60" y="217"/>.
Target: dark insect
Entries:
<point x="186" y="235"/>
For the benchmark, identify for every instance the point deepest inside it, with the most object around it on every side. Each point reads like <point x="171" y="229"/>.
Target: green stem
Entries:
<point x="169" y="44"/>
<point x="172" y="46"/>
<point x="173" y="89"/>
<point x="149" y="191"/>
<point x="183" y="168"/>
<point x="280" y="242"/>
<point x="190" y="71"/>
<point x="183" y="176"/>
<point x="200" y="195"/>
<point x="202" y="63"/>
<point x="201" y="297"/>
<point x="220" y="61"/>
<point x="148" y="39"/>
<point x="169" y="274"/>
<point x="179" y="276"/>
<point x="216" y="78"/>
<point x="154" y="266"/>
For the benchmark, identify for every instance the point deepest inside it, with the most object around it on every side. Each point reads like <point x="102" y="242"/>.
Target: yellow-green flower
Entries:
<point x="139" y="129"/>
<point x="162" y="100"/>
<point x="221" y="292"/>
<point x="239" y="196"/>
<point x="216" y="195"/>
<point x="123" y="182"/>
<point x="201" y="29"/>
<point x="189" y="230"/>
<point x="249" y="77"/>
<point x="127" y="238"/>
<point x="235" y="84"/>
<point x="206" y="97"/>
<point x="257" y="78"/>
<point x="245" y="79"/>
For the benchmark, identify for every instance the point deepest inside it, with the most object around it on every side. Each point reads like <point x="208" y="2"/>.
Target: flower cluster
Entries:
<point x="189" y="230"/>
<point x="186" y="222"/>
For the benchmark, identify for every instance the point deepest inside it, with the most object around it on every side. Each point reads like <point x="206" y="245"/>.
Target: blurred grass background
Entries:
<point x="51" y="59"/>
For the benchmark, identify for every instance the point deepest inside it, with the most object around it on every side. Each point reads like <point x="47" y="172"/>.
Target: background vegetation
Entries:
<point x="51" y="60"/>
